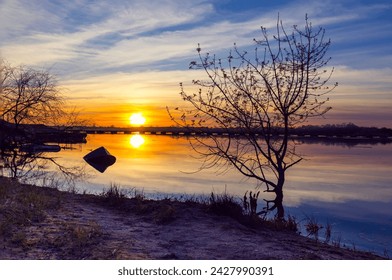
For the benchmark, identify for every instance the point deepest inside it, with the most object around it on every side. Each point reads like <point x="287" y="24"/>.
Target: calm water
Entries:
<point x="349" y="187"/>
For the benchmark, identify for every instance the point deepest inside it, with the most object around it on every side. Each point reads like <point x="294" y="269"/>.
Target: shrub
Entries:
<point x="312" y="228"/>
<point x="114" y="195"/>
<point x="225" y="205"/>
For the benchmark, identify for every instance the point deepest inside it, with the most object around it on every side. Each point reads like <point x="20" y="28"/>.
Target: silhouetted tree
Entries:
<point x="27" y="97"/>
<point x="257" y="99"/>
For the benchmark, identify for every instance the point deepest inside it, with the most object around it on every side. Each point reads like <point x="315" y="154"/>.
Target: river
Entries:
<point x="348" y="187"/>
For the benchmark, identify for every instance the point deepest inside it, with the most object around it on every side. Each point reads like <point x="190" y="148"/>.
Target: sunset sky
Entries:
<point x="119" y="57"/>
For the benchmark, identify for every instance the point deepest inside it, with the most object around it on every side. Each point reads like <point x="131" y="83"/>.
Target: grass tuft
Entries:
<point x="225" y="205"/>
<point x="21" y="206"/>
<point x="114" y="195"/>
<point x="328" y="232"/>
<point x="313" y="228"/>
<point x="83" y="235"/>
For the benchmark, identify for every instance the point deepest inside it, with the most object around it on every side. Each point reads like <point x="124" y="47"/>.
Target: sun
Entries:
<point x="137" y="119"/>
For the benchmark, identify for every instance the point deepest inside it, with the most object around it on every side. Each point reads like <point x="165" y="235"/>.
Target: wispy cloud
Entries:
<point x="120" y="33"/>
<point x="134" y="44"/>
<point x="50" y="40"/>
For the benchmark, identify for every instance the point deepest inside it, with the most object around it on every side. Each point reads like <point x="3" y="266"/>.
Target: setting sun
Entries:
<point x="137" y="119"/>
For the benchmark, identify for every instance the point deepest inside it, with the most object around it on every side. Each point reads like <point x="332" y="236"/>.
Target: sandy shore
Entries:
<point x="44" y="223"/>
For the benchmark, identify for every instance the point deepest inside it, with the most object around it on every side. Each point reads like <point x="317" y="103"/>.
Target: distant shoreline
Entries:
<point x="345" y="133"/>
<point x="327" y="133"/>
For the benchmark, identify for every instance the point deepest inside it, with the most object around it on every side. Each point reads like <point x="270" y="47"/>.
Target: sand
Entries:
<point x="45" y="223"/>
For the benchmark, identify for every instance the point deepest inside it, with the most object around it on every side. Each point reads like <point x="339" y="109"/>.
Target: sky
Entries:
<point x="119" y="57"/>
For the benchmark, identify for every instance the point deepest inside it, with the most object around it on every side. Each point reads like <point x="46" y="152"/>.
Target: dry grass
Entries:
<point x="226" y="205"/>
<point x="165" y="214"/>
<point x="162" y="211"/>
<point x="288" y="224"/>
<point x="23" y="205"/>
<point x="313" y="227"/>
<point x="328" y="232"/>
<point x="23" y="208"/>
<point x="114" y="195"/>
<point x="81" y="236"/>
<point x="44" y="223"/>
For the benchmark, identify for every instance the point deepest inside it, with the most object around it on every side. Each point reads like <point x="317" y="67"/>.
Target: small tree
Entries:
<point x="255" y="101"/>
<point x="28" y="96"/>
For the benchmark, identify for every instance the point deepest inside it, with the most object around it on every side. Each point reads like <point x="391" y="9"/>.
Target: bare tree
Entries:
<point x="29" y="96"/>
<point x="28" y="99"/>
<point x="255" y="100"/>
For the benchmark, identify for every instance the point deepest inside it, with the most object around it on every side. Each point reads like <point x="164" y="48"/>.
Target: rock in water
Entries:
<point x="100" y="159"/>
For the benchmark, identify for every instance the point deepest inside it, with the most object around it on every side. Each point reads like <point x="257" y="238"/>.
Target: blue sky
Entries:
<point x="131" y="55"/>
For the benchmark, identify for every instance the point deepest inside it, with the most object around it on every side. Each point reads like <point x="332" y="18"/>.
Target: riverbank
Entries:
<point x="45" y="223"/>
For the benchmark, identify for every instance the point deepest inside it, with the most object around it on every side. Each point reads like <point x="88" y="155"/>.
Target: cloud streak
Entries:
<point x="141" y="33"/>
<point x="59" y="43"/>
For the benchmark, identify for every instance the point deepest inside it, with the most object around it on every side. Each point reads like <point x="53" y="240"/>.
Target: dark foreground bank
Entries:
<point x="44" y="223"/>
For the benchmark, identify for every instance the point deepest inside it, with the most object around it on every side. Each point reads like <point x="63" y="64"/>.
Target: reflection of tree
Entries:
<point x="347" y="135"/>
<point x="343" y="142"/>
<point x="28" y="98"/>
<point x="262" y="98"/>
<point x="33" y="165"/>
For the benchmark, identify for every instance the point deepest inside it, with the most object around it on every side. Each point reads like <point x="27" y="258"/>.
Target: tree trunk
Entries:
<point x="279" y="205"/>
<point x="279" y="195"/>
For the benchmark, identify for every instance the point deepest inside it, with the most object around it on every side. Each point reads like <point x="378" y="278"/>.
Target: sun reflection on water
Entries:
<point x="136" y="141"/>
